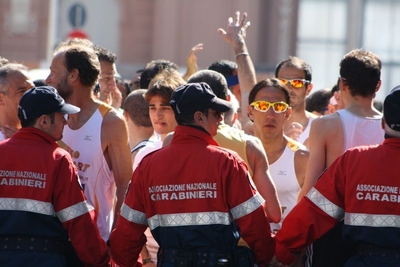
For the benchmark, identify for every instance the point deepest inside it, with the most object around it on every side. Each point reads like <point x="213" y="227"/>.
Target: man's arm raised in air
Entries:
<point x="235" y="35"/>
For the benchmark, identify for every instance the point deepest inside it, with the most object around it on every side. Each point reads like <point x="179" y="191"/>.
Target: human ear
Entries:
<point x="378" y="86"/>
<point x="309" y="88"/>
<point x="250" y="112"/>
<point x="288" y="113"/>
<point x="43" y="122"/>
<point x="74" y="75"/>
<point x="2" y="96"/>
<point x="331" y="108"/>
<point x="198" y="117"/>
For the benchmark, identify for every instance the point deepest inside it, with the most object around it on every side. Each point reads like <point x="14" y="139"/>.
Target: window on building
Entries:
<point x="321" y="38"/>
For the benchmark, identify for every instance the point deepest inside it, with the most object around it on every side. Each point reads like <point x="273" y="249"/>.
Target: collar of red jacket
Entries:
<point x="33" y="134"/>
<point x="184" y="132"/>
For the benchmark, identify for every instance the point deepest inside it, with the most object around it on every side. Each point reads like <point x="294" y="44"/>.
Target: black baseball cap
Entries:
<point x="391" y="109"/>
<point x="192" y="97"/>
<point x="43" y="100"/>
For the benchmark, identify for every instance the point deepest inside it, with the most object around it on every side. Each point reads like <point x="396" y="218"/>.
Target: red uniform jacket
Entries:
<point x="363" y="188"/>
<point x="40" y="196"/>
<point x="193" y="195"/>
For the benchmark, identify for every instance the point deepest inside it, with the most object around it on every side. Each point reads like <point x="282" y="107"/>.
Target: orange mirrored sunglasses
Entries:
<point x="263" y="106"/>
<point x="296" y="83"/>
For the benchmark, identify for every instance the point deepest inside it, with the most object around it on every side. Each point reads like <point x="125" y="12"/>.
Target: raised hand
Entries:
<point x="235" y="32"/>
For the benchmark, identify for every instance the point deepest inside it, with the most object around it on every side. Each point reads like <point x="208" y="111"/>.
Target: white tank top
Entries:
<point x="84" y="145"/>
<point x="359" y="131"/>
<point x="306" y="132"/>
<point x="284" y="176"/>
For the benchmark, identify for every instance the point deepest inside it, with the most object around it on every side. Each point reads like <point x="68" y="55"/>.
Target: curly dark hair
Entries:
<point x="85" y="60"/>
<point x="361" y="72"/>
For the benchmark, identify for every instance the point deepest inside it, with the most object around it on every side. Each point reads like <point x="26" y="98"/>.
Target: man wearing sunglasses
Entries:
<point x="269" y="110"/>
<point x="192" y="208"/>
<point x="296" y="75"/>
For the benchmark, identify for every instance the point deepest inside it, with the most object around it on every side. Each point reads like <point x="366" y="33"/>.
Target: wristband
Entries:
<point x="243" y="53"/>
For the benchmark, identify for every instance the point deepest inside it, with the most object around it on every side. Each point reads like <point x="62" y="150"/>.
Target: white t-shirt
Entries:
<point x="148" y="148"/>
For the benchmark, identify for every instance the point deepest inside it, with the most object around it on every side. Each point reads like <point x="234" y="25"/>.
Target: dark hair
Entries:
<point x="28" y="123"/>
<point x="361" y="72"/>
<point x="164" y="84"/>
<point x="153" y="68"/>
<point x="31" y="122"/>
<point x="96" y="88"/>
<point x="296" y="63"/>
<point x="225" y="67"/>
<point x="105" y="55"/>
<point x="272" y="82"/>
<point x="85" y="61"/>
<point x="135" y="81"/>
<point x="318" y="100"/>
<point x="137" y="108"/>
<point x="335" y="88"/>
<point x="187" y="118"/>
<point x="119" y="80"/>
<point x="214" y="79"/>
<point x="39" y="82"/>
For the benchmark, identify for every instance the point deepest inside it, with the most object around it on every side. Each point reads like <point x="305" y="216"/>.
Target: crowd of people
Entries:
<point x="207" y="168"/>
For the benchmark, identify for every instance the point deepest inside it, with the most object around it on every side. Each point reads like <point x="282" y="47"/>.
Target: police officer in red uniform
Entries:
<point x="362" y="187"/>
<point x="193" y="195"/>
<point x="43" y="209"/>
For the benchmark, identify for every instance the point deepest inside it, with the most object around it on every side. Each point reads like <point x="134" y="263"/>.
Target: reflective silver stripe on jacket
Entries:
<point x="29" y="205"/>
<point x="74" y="211"/>
<point x="326" y="205"/>
<point x="247" y="207"/>
<point x="133" y="215"/>
<point x="189" y="219"/>
<point x="372" y="220"/>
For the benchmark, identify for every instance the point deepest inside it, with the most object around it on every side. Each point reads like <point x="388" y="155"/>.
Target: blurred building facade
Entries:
<point x="318" y="31"/>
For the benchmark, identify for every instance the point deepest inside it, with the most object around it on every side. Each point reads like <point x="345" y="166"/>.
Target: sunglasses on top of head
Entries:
<point x="295" y="83"/>
<point x="264" y="106"/>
